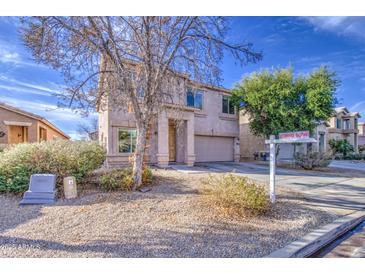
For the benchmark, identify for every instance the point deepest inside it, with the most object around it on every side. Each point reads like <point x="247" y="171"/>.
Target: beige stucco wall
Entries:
<point x="321" y="129"/>
<point x="6" y="115"/>
<point x="33" y="129"/>
<point x="361" y="128"/>
<point x="210" y="121"/>
<point x="249" y="143"/>
<point x="332" y="121"/>
<point x="51" y="133"/>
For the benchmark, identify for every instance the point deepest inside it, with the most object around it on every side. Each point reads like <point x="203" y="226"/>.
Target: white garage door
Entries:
<point x="212" y="149"/>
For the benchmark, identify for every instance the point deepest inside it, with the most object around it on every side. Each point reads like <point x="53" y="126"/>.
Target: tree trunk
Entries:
<point x="139" y="155"/>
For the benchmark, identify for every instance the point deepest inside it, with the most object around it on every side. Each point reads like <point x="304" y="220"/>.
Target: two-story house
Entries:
<point x="342" y="125"/>
<point x="200" y="126"/>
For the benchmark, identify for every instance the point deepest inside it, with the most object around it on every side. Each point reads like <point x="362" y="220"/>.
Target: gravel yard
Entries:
<point x="172" y="220"/>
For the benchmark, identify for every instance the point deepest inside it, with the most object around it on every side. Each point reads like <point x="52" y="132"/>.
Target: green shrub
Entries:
<point x="312" y="160"/>
<point x="60" y="157"/>
<point x="236" y="195"/>
<point x="121" y="179"/>
<point x="354" y="156"/>
<point x="341" y="146"/>
<point x="361" y="149"/>
<point x="117" y="179"/>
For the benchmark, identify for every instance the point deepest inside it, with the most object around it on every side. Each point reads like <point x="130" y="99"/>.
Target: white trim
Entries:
<point x="125" y="129"/>
<point x="15" y="123"/>
<point x="234" y="107"/>
<point x="195" y="90"/>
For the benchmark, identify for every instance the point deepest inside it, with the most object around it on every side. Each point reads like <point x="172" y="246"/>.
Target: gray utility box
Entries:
<point x="42" y="190"/>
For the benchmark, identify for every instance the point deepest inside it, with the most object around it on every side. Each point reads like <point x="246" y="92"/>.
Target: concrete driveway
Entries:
<point x="343" y="194"/>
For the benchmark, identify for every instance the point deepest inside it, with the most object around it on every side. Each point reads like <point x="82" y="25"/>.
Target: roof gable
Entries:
<point x="33" y="116"/>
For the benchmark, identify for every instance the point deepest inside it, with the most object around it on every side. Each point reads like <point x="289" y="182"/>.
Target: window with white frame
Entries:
<point x="194" y="98"/>
<point x="227" y="105"/>
<point x="127" y="140"/>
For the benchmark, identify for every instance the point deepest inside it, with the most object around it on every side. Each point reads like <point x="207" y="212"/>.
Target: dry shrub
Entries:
<point x="312" y="160"/>
<point x="236" y="195"/>
<point x="121" y="179"/>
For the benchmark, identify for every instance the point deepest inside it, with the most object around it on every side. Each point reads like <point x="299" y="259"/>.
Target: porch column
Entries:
<point x="162" y="140"/>
<point x="190" y="139"/>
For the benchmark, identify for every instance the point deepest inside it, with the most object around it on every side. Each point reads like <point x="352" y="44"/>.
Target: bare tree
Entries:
<point x="100" y="56"/>
<point x="89" y="130"/>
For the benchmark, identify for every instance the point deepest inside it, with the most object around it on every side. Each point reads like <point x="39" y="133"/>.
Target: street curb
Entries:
<point x="314" y="241"/>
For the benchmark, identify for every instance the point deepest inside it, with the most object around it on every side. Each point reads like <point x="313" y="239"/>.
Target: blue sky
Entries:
<point x="303" y="42"/>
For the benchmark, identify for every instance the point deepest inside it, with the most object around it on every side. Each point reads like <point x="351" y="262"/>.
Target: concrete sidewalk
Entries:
<point x="354" y="165"/>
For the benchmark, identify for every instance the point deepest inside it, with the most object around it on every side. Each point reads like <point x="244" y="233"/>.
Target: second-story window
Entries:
<point x="198" y="99"/>
<point x="227" y="105"/>
<point x="347" y="124"/>
<point x="194" y="98"/>
<point x="338" y="123"/>
<point x="190" y="98"/>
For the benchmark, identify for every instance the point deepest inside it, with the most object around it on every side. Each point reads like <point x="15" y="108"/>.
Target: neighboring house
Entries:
<point x="250" y="144"/>
<point x="18" y="126"/>
<point x="204" y="129"/>
<point x="361" y="128"/>
<point x="342" y="125"/>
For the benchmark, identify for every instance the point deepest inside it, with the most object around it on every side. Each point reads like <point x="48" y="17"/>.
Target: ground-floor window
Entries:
<point x="127" y="140"/>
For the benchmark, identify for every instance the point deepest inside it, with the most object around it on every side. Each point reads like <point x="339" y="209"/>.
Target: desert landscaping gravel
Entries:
<point x="172" y="220"/>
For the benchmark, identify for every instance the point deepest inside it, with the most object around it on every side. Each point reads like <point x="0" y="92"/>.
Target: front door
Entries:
<point x="17" y="134"/>
<point x="172" y="142"/>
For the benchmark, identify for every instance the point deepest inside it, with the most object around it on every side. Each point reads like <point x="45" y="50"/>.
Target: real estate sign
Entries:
<point x="294" y="135"/>
<point x="284" y="138"/>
